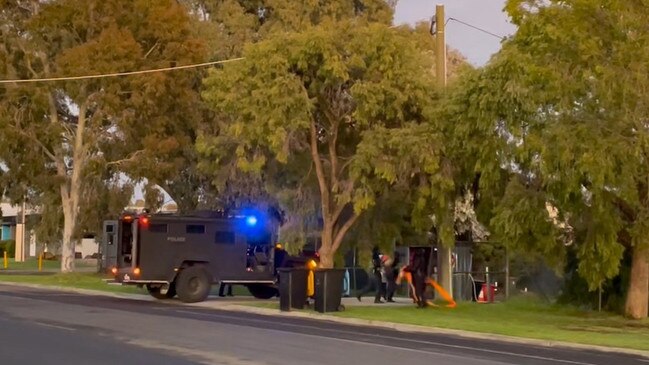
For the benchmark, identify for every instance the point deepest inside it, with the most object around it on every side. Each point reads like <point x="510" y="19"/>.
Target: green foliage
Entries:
<point x="522" y="220"/>
<point x="231" y="24"/>
<point x="386" y="224"/>
<point x="153" y="198"/>
<point x="562" y="111"/>
<point x="81" y="127"/>
<point x="104" y="198"/>
<point x="49" y="226"/>
<point x="8" y="246"/>
<point x="491" y="254"/>
<point x="410" y="159"/>
<point x="328" y="92"/>
<point x="296" y="16"/>
<point x="577" y="291"/>
<point x="227" y="26"/>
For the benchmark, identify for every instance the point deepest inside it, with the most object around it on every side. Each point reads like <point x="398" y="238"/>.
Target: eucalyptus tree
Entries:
<point x="562" y="112"/>
<point x="311" y="99"/>
<point x="56" y="133"/>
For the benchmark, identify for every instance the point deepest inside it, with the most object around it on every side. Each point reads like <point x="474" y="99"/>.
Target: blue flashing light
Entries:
<point x="251" y="221"/>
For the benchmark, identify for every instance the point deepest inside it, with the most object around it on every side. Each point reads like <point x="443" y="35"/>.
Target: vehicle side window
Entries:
<point x="224" y="237"/>
<point x="195" y="228"/>
<point x="159" y="228"/>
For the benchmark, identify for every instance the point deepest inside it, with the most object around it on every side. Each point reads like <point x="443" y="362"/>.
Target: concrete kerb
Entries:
<point x="430" y="330"/>
<point x="350" y="321"/>
<point x="80" y="291"/>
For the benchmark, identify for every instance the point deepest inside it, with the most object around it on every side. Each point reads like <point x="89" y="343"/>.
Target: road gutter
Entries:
<point x="349" y="321"/>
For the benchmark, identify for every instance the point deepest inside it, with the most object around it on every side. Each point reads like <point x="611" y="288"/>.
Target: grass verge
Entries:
<point x="94" y="281"/>
<point x="519" y="317"/>
<point x="73" y="280"/>
<point x="32" y="264"/>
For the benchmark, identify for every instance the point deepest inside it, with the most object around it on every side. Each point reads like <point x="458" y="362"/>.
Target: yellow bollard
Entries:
<point x="40" y="262"/>
<point x="310" y="286"/>
<point x="6" y="260"/>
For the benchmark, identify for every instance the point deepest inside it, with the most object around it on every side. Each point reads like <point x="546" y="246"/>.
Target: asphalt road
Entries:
<point x="47" y="327"/>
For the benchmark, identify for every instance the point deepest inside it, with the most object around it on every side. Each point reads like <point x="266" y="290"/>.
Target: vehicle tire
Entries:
<point x="156" y="291"/>
<point x="262" y="291"/>
<point x="171" y="292"/>
<point x="193" y="284"/>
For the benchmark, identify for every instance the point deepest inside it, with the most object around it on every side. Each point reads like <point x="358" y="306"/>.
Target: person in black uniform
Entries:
<point x="391" y="273"/>
<point x="374" y="279"/>
<point x="280" y="258"/>
<point x="418" y="269"/>
<point x="222" y="289"/>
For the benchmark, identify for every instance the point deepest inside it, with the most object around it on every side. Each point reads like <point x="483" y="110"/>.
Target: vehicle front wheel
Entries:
<point x="193" y="284"/>
<point x="262" y="291"/>
<point x="157" y="292"/>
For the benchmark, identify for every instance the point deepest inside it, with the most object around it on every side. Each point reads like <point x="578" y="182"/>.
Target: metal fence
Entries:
<point x="467" y="285"/>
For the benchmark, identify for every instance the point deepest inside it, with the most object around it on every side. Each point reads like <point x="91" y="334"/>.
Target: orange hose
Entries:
<point x="442" y="292"/>
<point x="408" y="277"/>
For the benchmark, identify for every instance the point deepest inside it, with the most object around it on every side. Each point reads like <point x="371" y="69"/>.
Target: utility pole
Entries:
<point x="440" y="46"/>
<point x="20" y="235"/>
<point x="443" y="253"/>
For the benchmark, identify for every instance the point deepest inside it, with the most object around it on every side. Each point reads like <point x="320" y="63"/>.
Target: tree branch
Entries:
<point x="61" y="170"/>
<point x="339" y="210"/>
<point x="29" y="64"/>
<point x="346" y="164"/>
<point x="333" y="156"/>
<point x="627" y="210"/>
<point x="78" y="160"/>
<point x="624" y="237"/>
<point x="37" y="141"/>
<point x="69" y="131"/>
<point x="322" y="179"/>
<point x="151" y="50"/>
<point x="130" y="158"/>
<point x="343" y="231"/>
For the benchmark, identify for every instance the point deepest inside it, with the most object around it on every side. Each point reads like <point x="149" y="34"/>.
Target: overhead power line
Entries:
<point x="476" y="28"/>
<point x="116" y="74"/>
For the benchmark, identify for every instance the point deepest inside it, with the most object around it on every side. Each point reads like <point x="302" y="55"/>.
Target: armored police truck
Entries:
<point x="185" y="254"/>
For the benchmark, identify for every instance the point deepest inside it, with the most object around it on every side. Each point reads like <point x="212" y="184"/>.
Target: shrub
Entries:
<point x="8" y="246"/>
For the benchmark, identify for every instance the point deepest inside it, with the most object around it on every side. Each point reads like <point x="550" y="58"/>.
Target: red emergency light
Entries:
<point x="144" y="221"/>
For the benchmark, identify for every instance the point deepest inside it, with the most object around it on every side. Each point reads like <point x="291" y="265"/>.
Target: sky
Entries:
<point x="473" y="44"/>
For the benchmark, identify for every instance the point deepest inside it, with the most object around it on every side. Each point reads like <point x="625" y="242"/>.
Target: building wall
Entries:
<point x="31" y="243"/>
<point x="87" y="247"/>
<point x="6" y="232"/>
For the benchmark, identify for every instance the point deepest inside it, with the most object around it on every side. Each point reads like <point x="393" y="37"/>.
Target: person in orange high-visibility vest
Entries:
<point x="405" y="274"/>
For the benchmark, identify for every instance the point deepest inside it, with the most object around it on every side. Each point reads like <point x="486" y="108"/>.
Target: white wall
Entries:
<point x="9" y="210"/>
<point x="87" y="247"/>
<point x="32" y="244"/>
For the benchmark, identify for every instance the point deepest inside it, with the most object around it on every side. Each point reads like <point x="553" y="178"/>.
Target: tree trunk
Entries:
<point x="445" y="269"/>
<point x="326" y="251"/>
<point x="71" y="191"/>
<point x="637" y="301"/>
<point x="67" y="248"/>
<point x="335" y="228"/>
